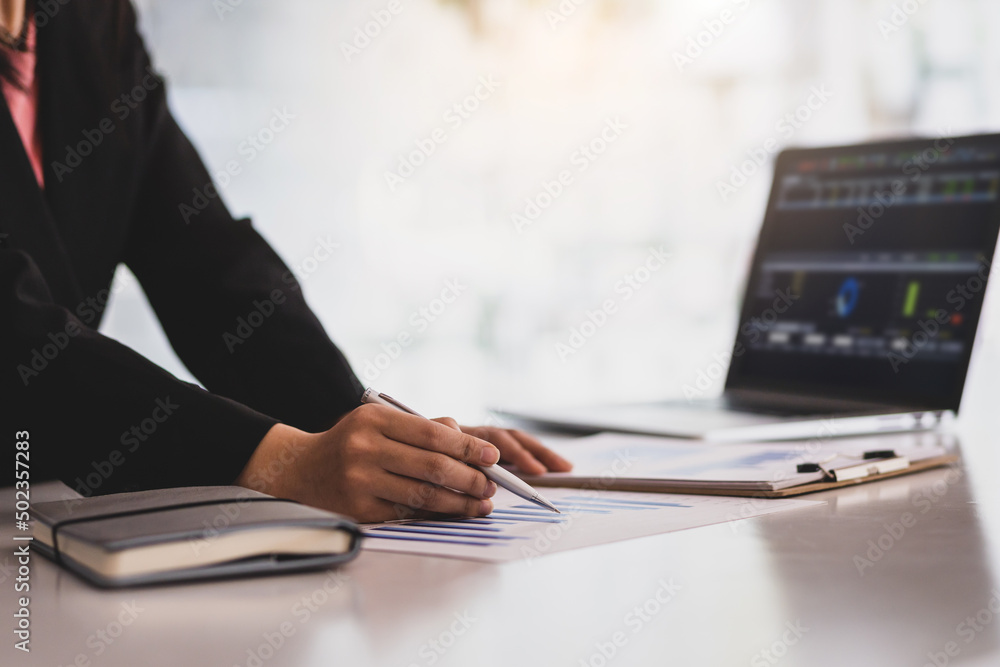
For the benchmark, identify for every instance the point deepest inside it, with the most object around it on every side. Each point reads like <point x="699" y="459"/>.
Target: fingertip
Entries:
<point x="559" y="463"/>
<point x="531" y="466"/>
<point x="489" y="454"/>
<point x="553" y="461"/>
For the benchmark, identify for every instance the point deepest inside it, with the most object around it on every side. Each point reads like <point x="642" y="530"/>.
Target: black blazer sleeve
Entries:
<point x="231" y="308"/>
<point x="101" y="417"/>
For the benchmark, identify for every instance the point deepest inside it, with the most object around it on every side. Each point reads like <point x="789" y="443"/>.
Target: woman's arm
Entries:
<point x="101" y="417"/>
<point x="231" y="308"/>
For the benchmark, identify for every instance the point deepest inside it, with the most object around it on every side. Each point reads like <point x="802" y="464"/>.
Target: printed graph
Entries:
<point x="519" y="530"/>
<point x="495" y="528"/>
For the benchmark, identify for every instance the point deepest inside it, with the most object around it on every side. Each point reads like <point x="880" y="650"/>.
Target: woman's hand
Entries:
<point x="379" y="464"/>
<point x="520" y="449"/>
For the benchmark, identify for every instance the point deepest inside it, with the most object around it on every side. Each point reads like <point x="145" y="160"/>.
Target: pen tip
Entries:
<point x="539" y="500"/>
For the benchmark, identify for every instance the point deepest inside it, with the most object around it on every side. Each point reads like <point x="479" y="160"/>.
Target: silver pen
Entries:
<point x="502" y="477"/>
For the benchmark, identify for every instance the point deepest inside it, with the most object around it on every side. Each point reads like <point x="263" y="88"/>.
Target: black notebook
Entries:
<point x="169" y="535"/>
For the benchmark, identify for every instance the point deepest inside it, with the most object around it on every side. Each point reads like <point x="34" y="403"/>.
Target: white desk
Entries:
<point x="740" y="587"/>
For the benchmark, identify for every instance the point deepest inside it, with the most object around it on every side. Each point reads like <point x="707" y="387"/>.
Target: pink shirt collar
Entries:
<point x="23" y="104"/>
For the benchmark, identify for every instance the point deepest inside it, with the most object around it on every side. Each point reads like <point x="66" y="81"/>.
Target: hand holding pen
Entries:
<point x="379" y="463"/>
<point x="495" y="473"/>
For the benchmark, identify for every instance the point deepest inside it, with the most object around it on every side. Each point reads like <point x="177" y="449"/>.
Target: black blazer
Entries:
<point x="101" y="417"/>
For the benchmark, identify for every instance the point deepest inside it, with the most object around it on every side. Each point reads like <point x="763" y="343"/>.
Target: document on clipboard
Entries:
<point x="668" y="465"/>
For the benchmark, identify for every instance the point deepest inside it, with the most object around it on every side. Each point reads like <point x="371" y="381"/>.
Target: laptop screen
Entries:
<point x="870" y="272"/>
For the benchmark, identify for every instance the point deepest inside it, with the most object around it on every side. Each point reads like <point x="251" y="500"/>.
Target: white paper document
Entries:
<point x="519" y="530"/>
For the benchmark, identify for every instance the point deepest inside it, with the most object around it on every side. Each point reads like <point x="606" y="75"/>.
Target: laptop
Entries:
<point x="862" y="303"/>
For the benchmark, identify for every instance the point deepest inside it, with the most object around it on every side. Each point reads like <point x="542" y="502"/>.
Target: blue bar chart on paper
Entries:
<point x="519" y="530"/>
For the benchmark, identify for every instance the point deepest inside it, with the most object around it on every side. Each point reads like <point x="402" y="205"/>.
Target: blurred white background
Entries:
<point x="564" y="70"/>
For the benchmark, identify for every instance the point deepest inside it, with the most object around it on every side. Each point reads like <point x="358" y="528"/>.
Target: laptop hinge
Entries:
<point x="764" y="398"/>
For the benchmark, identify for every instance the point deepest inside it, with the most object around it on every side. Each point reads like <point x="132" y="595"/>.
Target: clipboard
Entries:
<point x="822" y="472"/>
